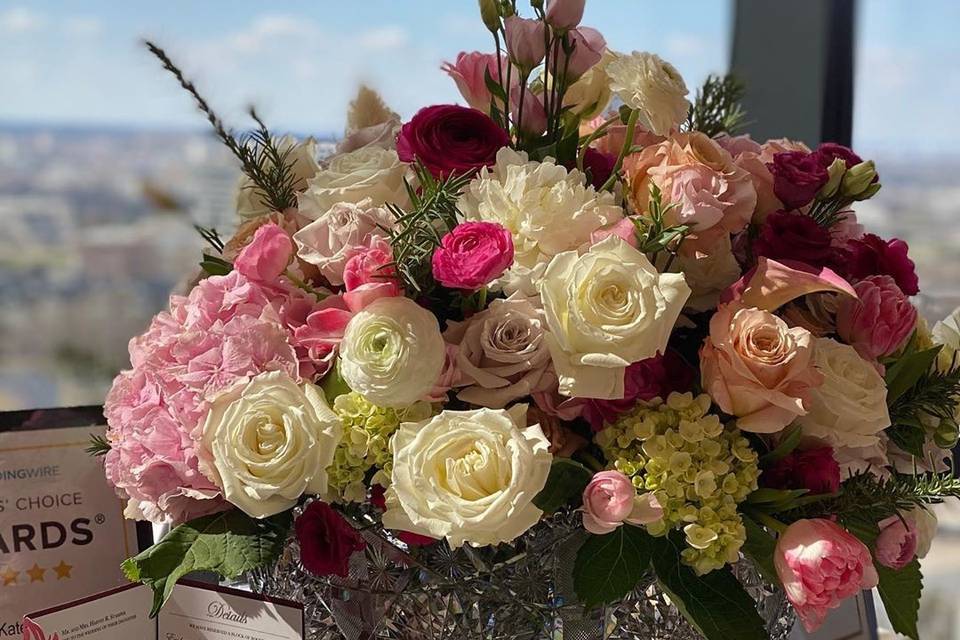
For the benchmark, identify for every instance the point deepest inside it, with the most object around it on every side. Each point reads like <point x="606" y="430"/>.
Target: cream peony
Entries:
<point x="850" y="408"/>
<point x="302" y="156"/>
<point x="468" y="476"/>
<point x="369" y="172"/>
<point x="392" y="352"/>
<point x="335" y="235"/>
<point x="268" y="441"/>
<point x="651" y="86"/>
<point x="547" y="209"/>
<point x="607" y="309"/>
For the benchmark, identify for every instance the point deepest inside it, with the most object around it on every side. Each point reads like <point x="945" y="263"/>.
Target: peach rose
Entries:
<point x="701" y="179"/>
<point x="757" y="368"/>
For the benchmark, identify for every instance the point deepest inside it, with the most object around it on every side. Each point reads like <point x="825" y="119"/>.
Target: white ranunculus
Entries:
<point x="850" y="408"/>
<point x="369" y="172"/>
<point x="392" y="352"/>
<point x="547" y="209"/>
<point x="302" y="156"/>
<point x="268" y="441"/>
<point x="468" y="476"/>
<point x="607" y="309"/>
<point x="330" y="239"/>
<point x="651" y="86"/>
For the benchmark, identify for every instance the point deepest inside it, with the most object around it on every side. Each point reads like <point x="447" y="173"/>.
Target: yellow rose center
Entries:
<point x="474" y="472"/>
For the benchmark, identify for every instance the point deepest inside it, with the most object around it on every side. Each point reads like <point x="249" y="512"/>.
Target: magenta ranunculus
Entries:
<point x="450" y="139"/>
<point x="611" y="500"/>
<point x="797" y="177"/>
<point x="897" y="542"/>
<point x="326" y="540"/>
<point x="472" y="255"/>
<point x="820" y="564"/>
<point x="827" y="152"/>
<point x="812" y="469"/>
<point x="879" y="321"/>
<point x="873" y="256"/>
<point x="267" y="255"/>
<point x="795" y="236"/>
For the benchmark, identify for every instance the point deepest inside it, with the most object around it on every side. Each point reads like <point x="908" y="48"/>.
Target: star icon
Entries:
<point x="36" y="573"/>
<point x="9" y="576"/>
<point x="63" y="570"/>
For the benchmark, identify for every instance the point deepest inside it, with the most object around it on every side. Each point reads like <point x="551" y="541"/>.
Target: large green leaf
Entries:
<point x="905" y="372"/>
<point x="909" y="438"/>
<point x="900" y="592"/>
<point x="609" y="566"/>
<point x="566" y="482"/>
<point x="228" y="544"/>
<point x="760" y="547"/>
<point x="715" y="604"/>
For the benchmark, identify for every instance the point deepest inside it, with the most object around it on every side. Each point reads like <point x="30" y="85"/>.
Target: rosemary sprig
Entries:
<point x="716" y="108"/>
<point x="98" y="446"/>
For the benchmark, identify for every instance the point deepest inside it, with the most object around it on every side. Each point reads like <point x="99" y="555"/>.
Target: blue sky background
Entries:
<point x="300" y="61"/>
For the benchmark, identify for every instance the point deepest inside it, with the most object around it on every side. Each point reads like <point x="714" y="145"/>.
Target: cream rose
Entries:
<point x="267" y="441"/>
<point x="607" y="309"/>
<point x="392" y="352"/>
<point x="468" y="476"/>
<point x="330" y="240"/>
<point x="651" y="86"/>
<point x="850" y="408"/>
<point x="369" y="172"/>
<point x="757" y="368"/>
<point x="303" y="158"/>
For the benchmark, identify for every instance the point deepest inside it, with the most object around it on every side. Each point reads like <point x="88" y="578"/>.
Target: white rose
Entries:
<point x="468" y="476"/>
<point x="268" y="441"/>
<point x="850" y="408"/>
<point x="607" y="309"/>
<point x="303" y="158"/>
<point x="652" y="87"/>
<point x="547" y="209"/>
<point x="369" y="172"/>
<point x="392" y="352"/>
<point x="329" y="240"/>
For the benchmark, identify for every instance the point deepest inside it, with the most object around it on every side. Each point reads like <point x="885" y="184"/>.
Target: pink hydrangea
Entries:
<point x="879" y="320"/>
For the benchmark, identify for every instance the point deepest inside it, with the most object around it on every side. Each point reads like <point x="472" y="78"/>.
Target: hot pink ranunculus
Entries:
<point x="611" y="500"/>
<point x="450" y="139"/>
<point x="820" y="564"/>
<point x="879" y="320"/>
<point x="469" y="72"/>
<point x="267" y="255"/>
<point x="472" y="255"/>
<point x="897" y="542"/>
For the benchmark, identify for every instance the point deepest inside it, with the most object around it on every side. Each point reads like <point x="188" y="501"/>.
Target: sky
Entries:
<point x="300" y="61"/>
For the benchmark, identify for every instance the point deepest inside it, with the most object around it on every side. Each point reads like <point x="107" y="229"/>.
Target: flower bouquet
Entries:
<point x="529" y="367"/>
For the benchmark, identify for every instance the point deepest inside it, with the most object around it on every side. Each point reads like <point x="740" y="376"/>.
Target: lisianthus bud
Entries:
<point x="836" y="171"/>
<point x="946" y="435"/>
<point x="858" y="179"/>
<point x="490" y="14"/>
<point x="525" y="41"/>
<point x="565" y="14"/>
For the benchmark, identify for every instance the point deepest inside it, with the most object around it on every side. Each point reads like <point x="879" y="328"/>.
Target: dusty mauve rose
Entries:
<point x="813" y="469"/>
<point x="503" y="354"/>
<point x="472" y="255"/>
<point x="879" y="320"/>
<point x="450" y="139"/>
<point x="469" y="72"/>
<point x="897" y="542"/>
<point x="758" y="369"/>
<point x="797" y="177"/>
<point x="873" y="256"/>
<point x="795" y="236"/>
<point x="326" y="540"/>
<point x="610" y="500"/>
<point x="820" y="564"/>
<point x="267" y="255"/>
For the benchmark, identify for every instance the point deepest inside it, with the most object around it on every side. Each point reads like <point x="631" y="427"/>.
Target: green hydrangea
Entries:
<point x="367" y="430"/>
<point x="698" y="468"/>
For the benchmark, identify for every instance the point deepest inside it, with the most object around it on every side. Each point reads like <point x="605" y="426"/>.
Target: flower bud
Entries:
<point x="525" y="41"/>
<point x="490" y="14"/>
<point x="565" y="14"/>
<point x="946" y="435"/>
<point x="858" y="179"/>
<point x="836" y="171"/>
<point x="869" y="192"/>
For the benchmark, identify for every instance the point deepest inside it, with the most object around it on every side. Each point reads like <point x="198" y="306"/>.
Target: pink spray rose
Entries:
<point x="525" y="41"/>
<point x="267" y="255"/>
<point x="897" y="542"/>
<point x="797" y="177"/>
<point x="820" y="564"/>
<point x="450" y="139"/>
<point x="873" y="256"/>
<point x="472" y="255"/>
<point x="469" y="72"/>
<point x="879" y="321"/>
<point x="611" y="500"/>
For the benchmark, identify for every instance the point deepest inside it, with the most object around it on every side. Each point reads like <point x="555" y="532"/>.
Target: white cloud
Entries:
<point x="83" y="26"/>
<point x="683" y="45"/>
<point x="384" y="38"/>
<point x="20" y="20"/>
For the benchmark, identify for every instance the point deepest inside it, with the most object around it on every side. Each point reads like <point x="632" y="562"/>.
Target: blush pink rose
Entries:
<point x="267" y="255"/>
<point x="757" y="368"/>
<point x="820" y="564"/>
<point x="897" y="542"/>
<point x="879" y="320"/>
<point x="472" y="255"/>
<point x="469" y="72"/>
<point x="611" y="500"/>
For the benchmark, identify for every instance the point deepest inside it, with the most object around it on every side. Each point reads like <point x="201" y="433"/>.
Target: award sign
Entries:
<point x="62" y="530"/>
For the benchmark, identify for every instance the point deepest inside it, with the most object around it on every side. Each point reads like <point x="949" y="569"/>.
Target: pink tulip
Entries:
<point x="588" y="48"/>
<point x="565" y="14"/>
<point x="525" y="41"/>
<point x="880" y="321"/>
<point x="267" y="255"/>
<point x="469" y="72"/>
<point x="610" y="500"/>
<point x="897" y="542"/>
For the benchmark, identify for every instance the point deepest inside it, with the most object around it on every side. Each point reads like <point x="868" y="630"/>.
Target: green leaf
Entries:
<point x="215" y="266"/>
<point x="900" y="592"/>
<point x="902" y="375"/>
<point x="766" y="495"/>
<point x="608" y="567"/>
<point x="228" y="543"/>
<point x="908" y="438"/>
<point x="333" y="385"/>
<point x="566" y="482"/>
<point x="760" y="547"/>
<point x="715" y="604"/>
<point x="494" y="87"/>
<point x="790" y="441"/>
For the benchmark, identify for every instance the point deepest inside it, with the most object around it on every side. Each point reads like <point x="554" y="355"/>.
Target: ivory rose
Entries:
<point x="267" y="441"/>
<point x="607" y="309"/>
<point x="468" y="476"/>
<point x="368" y="172"/>
<point x="610" y="500"/>
<point x="757" y="368"/>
